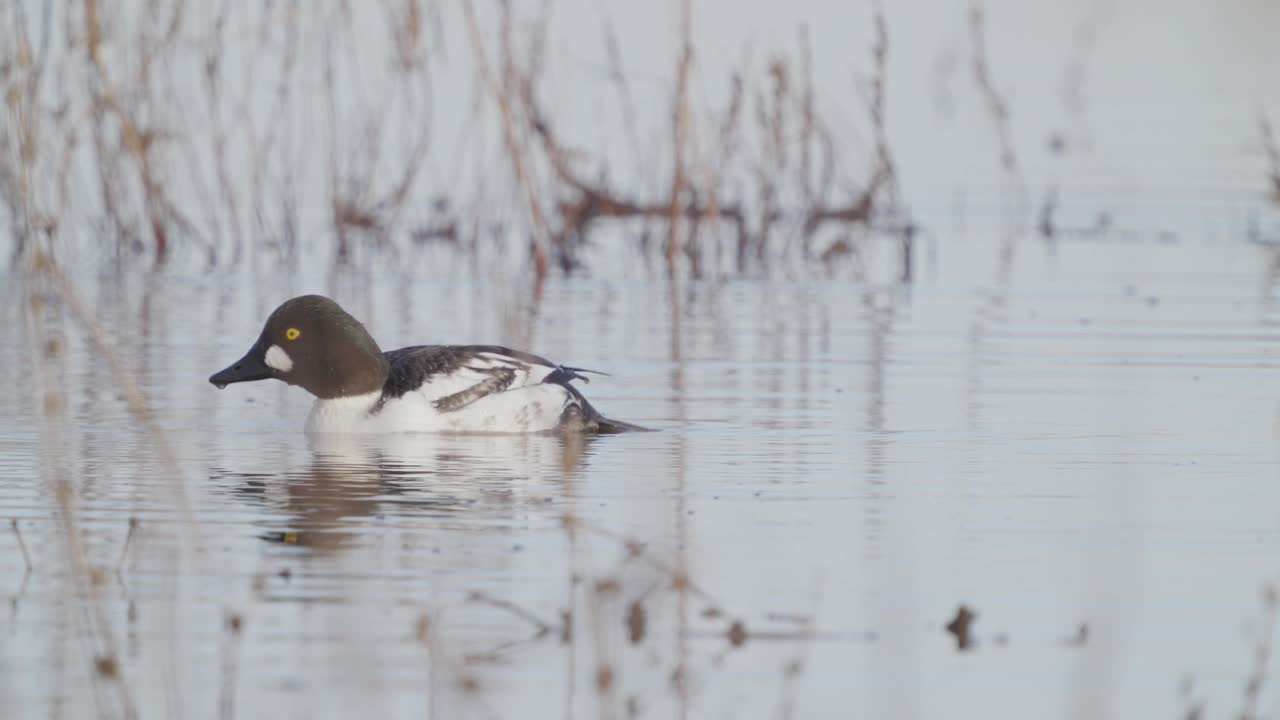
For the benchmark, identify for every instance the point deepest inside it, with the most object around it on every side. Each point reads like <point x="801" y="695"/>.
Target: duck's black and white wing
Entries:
<point x="489" y="387"/>
<point x="455" y="376"/>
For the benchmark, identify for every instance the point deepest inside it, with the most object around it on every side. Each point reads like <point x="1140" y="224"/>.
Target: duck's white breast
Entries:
<point x="533" y="408"/>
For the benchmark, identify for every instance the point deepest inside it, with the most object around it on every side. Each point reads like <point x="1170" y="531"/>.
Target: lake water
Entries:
<point x="1085" y="456"/>
<point x="1065" y="428"/>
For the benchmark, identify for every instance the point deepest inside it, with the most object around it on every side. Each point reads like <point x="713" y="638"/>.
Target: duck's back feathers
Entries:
<point x="494" y="367"/>
<point x="454" y="378"/>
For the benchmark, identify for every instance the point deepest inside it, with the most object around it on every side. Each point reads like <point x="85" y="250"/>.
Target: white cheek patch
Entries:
<point x="278" y="359"/>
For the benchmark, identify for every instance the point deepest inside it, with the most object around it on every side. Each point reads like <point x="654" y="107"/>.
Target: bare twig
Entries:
<point x="137" y="141"/>
<point x="1272" y="148"/>
<point x="680" y="132"/>
<point x="511" y="134"/>
<point x="543" y="627"/>
<point x="17" y="533"/>
<point x="997" y="106"/>
<point x="1261" y="653"/>
<point x="128" y="543"/>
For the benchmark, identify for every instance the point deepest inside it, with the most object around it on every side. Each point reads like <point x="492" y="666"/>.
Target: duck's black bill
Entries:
<point x="246" y="369"/>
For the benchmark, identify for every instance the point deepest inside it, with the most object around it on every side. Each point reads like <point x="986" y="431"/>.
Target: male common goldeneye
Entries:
<point x="312" y="342"/>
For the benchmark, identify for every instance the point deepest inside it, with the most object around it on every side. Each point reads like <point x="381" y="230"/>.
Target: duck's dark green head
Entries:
<point x="312" y="342"/>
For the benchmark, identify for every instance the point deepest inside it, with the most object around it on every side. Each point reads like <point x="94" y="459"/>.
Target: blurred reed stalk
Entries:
<point x="679" y="134"/>
<point x="94" y="626"/>
<point x="1262" y="652"/>
<point x="52" y="292"/>
<point x="1271" y="147"/>
<point x="516" y="147"/>
<point x="230" y="135"/>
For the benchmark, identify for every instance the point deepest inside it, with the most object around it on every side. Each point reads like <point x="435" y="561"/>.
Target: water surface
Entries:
<point x="1085" y="455"/>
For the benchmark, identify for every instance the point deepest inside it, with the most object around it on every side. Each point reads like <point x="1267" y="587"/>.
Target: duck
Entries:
<point x="311" y="342"/>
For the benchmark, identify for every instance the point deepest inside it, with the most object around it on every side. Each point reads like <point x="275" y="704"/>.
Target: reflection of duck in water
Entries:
<point x="354" y="482"/>
<point x="312" y="342"/>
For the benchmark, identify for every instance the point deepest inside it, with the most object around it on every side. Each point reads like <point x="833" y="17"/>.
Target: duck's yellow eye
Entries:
<point x="292" y="333"/>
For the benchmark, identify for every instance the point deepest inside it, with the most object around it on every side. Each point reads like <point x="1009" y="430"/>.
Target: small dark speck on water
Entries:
<point x="960" y="627"/>
<point x="604" y="677"/>
<point x="1080" y="638"/>
<point x="469" y="684"/>
<point x="106" y="666"/>
<point x="636" y="622"/>
<point x="737" y="633"/>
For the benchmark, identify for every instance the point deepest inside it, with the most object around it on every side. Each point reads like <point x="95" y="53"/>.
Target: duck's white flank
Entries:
<point x="531" y="408"/>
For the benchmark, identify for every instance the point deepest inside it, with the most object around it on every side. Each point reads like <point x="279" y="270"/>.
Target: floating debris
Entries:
<point x="960" y="627"/>
<point x="106" y="666"/>
<point x="636" y="623"/>
<point x="604" y="677"/>
<point x="1080" y="638"/>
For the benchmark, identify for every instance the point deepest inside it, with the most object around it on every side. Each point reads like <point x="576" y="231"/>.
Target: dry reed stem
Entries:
<point x="680" y="575"/>
<point x="793" y="670"/>
<point x="483" y="598"/>
<point x="996" y="104"/>
<point x="136" y="402"/>
<point x="638" y="551"/>
<point x="102" y="652"/>
<point x="123" y="380"/>
<point x="1271" y="147"/>
<point x="622" y="87"/>
<point x="511" y="135"/>
<point x="1262" y="652"/>
<point x="22" y="546"/>
<point x="595" y="201"/>
<point x="999" y="110"/>
<point x="679" y="132"/>
<point x="234" y="633"/>
<point x="1084" y="41"/>
<point x="245" y="166"/>
<point x="135" y="140"/>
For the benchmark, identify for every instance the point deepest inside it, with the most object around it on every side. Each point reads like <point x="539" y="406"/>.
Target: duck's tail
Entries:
<point x="580" y="416"/>
<point x="606" y="426"/>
